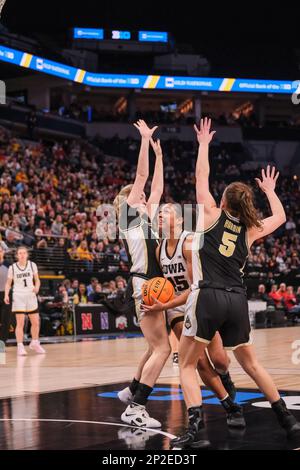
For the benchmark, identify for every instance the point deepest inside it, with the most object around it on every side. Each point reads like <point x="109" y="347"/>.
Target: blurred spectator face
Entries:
<point x="61" y="242"/>
<point x="282" y="287"/>
<point x="94" y="281"/>
<point x="75" y="284"/>
<point x="98" y="288"/>
<point x="274" y="288"/>
<point x="261" y="289"/>
<point x="112" y="285"/>
<point x="82" y="288"/>
<point x="290" y="290"/>
<point x="100" y="246"/>
<point x="84" y="245"/>
<point x="121" y="284"/>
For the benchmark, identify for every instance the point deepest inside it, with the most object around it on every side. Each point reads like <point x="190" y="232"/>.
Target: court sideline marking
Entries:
<point x="157" y="431"/>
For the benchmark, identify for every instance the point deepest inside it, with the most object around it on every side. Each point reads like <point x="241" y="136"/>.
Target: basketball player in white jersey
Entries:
<point x="24" y="279"/>
<point x="174" y="256"/>
<point x="140" y="241"/>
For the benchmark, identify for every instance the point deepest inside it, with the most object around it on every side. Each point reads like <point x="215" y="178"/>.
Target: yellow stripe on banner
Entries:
<point x="153" y="81"/>
<point x="228" y="84"/>
<point x="80" y="76"/>
<point x="50" y="276"/>
<point x="26" y="59"/>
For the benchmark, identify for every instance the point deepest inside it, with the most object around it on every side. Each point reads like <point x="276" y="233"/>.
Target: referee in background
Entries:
<point x="5" y="310"/>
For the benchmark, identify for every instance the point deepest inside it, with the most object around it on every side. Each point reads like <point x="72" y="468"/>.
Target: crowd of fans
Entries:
<point x="50" y="192"/>
<point x="71" y="290"/>
<point x="284" y="298"/>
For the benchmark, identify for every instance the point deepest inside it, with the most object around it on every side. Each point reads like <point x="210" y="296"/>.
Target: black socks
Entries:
<point x="142" y="393"/>
<point x="229" y="405"/>
<point x="133" y="386"/>
<point x="195" y="418"/>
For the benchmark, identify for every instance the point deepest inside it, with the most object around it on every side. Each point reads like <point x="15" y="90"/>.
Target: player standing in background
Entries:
<point x="24" y="279"/>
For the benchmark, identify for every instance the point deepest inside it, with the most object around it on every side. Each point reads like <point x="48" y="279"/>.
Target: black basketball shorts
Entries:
<point x="209" y="310"/>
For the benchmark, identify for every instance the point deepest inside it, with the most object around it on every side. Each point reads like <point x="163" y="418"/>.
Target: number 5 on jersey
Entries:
<point x="227" y="246"/>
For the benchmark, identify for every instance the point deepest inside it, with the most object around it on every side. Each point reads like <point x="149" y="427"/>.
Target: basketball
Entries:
<point x="158" y="288"/>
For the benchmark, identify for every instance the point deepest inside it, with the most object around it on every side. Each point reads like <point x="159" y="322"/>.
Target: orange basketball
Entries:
<point x="159" y="288"/>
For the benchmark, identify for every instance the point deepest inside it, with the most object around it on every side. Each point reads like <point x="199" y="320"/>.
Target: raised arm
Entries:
<point x="142" y="171"/>
<point x="267" y="184"/>
<point x="204" y="137"/>
<point x="157" y="186"/>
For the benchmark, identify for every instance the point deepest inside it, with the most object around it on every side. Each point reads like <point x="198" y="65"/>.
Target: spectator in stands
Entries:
<point x="282" y="293"/>
<point x="81" y="297"/>
<point x="74" y="287"/>
<point x="275" y="296"/>
<point x="262" y="294"/>
<point x="62" y="295"/>
<point x="91" y="288"/>
<point x="290" y="225"/>
<point x="290" y="298"/>
<point x="97" y="295"/>
<point x="57" y="225"/>
<point x="83" y="252"/>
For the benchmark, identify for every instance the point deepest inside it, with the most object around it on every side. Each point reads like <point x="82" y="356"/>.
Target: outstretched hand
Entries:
<point x="143" y="129"/>
<point x="204" y="134"/>
<point x="268" y="179"/>
<point x="155" y="144"/>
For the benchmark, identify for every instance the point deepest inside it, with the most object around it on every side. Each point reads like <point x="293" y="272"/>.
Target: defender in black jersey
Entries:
<point x="135" y="216"/>
<point x="218" y="300"/>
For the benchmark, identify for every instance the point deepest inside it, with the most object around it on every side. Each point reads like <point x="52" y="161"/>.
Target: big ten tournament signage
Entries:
<point x="95" y="319"/>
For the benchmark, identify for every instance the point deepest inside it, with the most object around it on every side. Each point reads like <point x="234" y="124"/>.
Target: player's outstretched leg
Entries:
<point x="247" y="358"/>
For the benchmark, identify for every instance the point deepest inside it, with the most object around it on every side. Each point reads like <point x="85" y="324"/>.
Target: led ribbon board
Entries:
<point x="158" y="82"/>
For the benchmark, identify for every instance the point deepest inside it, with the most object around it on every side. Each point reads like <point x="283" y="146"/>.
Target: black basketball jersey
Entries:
<point x="140" y="241"/>
<point x="223" y="252"/>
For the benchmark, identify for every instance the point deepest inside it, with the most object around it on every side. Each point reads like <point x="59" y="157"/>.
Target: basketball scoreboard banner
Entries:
<point x="158" y="82"/>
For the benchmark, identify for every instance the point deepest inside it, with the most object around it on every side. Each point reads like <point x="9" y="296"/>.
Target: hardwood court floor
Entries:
<point x="67" y="399"/>
<point x="87" y="363"/>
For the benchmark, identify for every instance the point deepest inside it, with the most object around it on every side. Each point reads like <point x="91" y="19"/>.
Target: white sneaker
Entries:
<point x="135" y="438"/>
<point x="125" y="395"/>
<point x="36" y="347"/>
<point x="21" y="351"/>
<point x="136" y="415"/>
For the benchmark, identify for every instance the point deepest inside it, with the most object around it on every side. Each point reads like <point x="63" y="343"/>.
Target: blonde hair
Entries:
<point x="121" y="198"/>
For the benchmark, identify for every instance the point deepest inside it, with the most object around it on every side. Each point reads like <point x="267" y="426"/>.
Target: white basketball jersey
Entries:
<point x="22" y="278"/>
<point x="175" y="268"/>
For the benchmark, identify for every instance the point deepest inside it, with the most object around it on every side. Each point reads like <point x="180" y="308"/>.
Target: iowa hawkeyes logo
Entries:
<point x="187" y="322"/>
